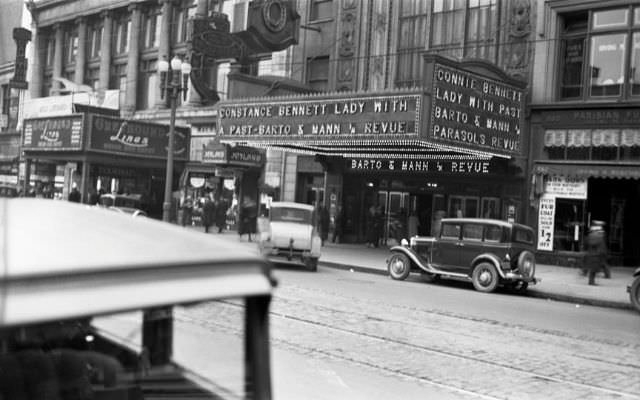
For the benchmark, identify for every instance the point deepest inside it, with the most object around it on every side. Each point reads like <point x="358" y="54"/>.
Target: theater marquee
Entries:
<point x="353" y="118"/>
<point x="473" y="111"/>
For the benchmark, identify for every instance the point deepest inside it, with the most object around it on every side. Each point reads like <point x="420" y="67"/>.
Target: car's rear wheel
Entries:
<point x="312" y="264"/>
<point x="485" y="277"/>
<point x="399" y="266"/>
<point x="634" y="293"/>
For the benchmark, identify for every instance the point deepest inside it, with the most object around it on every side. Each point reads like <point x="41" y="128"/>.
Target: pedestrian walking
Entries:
<point x="370" y="222"/>
<point x="596" y="247"/>
<point x="187" y="211"/>
<point x="221" y="215"/>
<point x="208" y="213"/>
<point x="75" y="196"/>
<point x="324" y="224"/>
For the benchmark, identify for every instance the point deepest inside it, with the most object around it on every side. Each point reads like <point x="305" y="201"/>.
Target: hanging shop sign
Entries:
<point x="353" y="118"/>
<point x="566" y="187"/>
<point x="475" y="112"/>
<point x="245" y="156"/>
<point x="135" y="138"/>
<point x="218" y="153"/>
<point x="465" y="167"/>
<point x="214" y="153"/>
<point x="53" y="133"/>
<point x="546" y="217"/>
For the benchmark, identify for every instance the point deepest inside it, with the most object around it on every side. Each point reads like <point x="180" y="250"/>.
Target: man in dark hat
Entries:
<point x="597" y="251"/>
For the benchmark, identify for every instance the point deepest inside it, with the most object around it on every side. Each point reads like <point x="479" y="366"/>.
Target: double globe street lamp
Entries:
<point x="174" y="79"/>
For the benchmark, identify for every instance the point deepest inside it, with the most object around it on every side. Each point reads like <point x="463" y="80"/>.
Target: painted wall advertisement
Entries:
<point x="546" y="217"/>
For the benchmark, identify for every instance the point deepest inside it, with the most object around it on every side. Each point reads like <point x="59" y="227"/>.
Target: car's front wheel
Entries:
<point x="399" y="266"/>
<point x="485" y="277"/>
<point x="634" y="293"/>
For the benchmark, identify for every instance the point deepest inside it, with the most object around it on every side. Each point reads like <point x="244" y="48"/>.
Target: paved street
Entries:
<point x="335" y="329"/>
<point x="338" y="334"/>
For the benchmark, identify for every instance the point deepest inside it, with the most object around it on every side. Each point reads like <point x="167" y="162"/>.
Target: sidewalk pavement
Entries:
<point x="557" y="283"/>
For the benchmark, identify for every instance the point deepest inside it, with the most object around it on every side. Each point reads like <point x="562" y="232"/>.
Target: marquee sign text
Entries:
<point x="374" y="117"/>
<point x="463" y="167"/>
<point x="471" y="111"/>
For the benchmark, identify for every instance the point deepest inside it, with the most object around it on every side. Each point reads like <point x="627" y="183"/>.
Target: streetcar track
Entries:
<point x="309" y="350"/>
<point x="451" y="355"/>
<point x="471" y="318"/>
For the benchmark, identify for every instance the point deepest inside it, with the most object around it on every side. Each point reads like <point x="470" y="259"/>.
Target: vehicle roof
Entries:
<point x="61" y="260"/>
<point x="291" y="204"/>
<point x="499" y="222"/>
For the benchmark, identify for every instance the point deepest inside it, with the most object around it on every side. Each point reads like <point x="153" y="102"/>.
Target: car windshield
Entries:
<point x="103" y="357"/>
<point x="289" y="214"/>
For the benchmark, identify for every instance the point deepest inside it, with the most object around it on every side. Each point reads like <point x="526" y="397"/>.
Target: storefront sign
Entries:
<point x="214" y="153"/>
<point x="546" y="217"/>
<point x="352" y="118"/>
<point x="475" y="112"/>
<point x="53" y="133"/>
<point x="477" y="167"/>
<point x="246" y="156"/>
<point x="565" y="187"/>
<point x="135" y="138"/>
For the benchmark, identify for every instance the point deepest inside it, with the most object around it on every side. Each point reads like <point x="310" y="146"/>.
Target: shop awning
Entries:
<point x="589" y="170"/>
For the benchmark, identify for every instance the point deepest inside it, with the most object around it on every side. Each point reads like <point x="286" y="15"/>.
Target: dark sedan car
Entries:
<point x="486" y="252"/>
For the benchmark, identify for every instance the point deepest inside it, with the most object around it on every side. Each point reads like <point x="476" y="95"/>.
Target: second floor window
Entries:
<point x="465" y="28"/>
<point x="121" y="35"/>
<point x="318" y="73"/>
<point x="321" y="9"/>
<point x="147" y="85"/>
<point x="49" y="43"/>
<point x="411" y="42"/>
<point x="181" y="15"/>
<point x="151" y="24"/>
<point x="600" y="54"/>
<point x="70" y="46"/>
<point x="94" y="40"/>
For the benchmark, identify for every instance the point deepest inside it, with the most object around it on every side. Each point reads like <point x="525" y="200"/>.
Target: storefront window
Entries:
<point x="635" y="65"/>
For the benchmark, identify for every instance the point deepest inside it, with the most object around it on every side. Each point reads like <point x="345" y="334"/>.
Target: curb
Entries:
<point x="532" y="292"/>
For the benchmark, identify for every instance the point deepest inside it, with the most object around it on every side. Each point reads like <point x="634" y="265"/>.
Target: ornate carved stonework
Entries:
<point x="518" y="49"/>
<point x="347" y="47"/>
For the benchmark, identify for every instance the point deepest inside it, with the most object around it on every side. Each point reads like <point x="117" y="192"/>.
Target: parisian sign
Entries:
<point x="135" y="138"/>
<point x="471" y="111"/>
<point x="53" y="133"/>
<point x="352" y="118"/>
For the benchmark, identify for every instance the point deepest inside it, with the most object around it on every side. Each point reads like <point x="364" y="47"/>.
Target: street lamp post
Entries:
<point x="174" y="79"/>
<point x="157" y="329"/>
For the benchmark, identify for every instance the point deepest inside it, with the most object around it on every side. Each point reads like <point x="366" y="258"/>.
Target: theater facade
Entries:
<point x="454" y="147"/>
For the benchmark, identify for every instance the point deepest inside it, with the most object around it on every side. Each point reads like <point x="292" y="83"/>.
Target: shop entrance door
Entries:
<point x="396" y="205"/>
